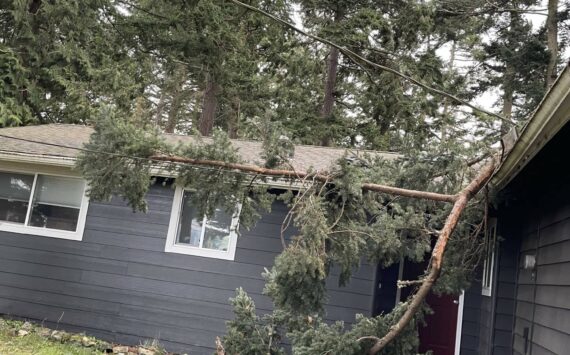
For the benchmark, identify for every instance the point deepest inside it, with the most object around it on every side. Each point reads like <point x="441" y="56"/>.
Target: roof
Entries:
<point x="74" y="136"/>
<point x="552" y="114"/>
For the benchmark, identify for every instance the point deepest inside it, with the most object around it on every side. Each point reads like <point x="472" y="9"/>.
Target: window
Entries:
<point x="194" y="234"/>
<point x="47" y="205"/>
<point x="489" y="261"/>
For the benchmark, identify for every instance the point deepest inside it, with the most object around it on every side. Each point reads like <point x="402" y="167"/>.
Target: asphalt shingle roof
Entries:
<point x="305" y="157"/>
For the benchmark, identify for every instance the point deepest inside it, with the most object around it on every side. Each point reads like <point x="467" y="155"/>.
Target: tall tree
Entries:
<point x="552" y="41"/>
<point x="68" y="67"/>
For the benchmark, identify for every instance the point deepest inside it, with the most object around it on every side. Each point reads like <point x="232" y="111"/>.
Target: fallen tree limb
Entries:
<point x="302" y="175"/>
<point x="437" y="256"/>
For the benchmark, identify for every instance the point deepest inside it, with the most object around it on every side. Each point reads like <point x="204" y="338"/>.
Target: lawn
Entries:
<point x="34" y="343"/>
<point x="26" y="338"/>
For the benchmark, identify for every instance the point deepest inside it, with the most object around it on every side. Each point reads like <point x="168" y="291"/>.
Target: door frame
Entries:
<point x="459" y="326"/>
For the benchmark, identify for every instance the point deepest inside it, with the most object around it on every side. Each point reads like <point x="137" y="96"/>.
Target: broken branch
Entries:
<point x="301" y="175"/>
<point x="437" y="256"/>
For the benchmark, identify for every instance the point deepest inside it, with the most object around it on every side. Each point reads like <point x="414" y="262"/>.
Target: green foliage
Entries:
<point x="296" y="283"/>
<point x="12" y="112"/>
<point x="60" y="68"/>
<point x="248" y="333"/>
<point x="120" y="139"/>
<point x="321" y="337"/>
<point x="136" y="67"/>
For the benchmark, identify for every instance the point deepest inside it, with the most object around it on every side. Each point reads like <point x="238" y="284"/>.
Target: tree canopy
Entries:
<point x="402" y="76"/>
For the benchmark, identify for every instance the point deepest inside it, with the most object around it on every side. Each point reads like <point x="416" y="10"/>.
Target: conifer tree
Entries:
<point x="59" y="69"/>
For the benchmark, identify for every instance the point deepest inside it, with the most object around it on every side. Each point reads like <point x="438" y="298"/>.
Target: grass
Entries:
<point x="34" y="343"/>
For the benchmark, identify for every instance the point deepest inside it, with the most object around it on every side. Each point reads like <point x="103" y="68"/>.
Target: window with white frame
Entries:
<point x="489" y="261"/>
<point x="41" y="204"/>
<point x="195" y="234"/>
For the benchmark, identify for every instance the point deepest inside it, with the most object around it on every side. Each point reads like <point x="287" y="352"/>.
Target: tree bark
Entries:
<point x="508" y="94"/>
<point x="177" y="99"/>
<point x="34" y="6"/>
<point x="436" y="257"/>
<point x="209" y="107"/>
<point x="552" y="41"/>
<point x="445" y="114"/>
<point x="233" y="120"/>
<point x="330" y="82"/>
<point x="433" y="196"/>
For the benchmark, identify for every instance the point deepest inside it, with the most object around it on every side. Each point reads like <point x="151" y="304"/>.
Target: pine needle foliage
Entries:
<point x="337" y="226"/>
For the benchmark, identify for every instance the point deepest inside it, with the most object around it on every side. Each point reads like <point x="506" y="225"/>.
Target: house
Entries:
<point x="522" y="305"/>
<point x="98" y="267"/>
<point x="126" y="277"/>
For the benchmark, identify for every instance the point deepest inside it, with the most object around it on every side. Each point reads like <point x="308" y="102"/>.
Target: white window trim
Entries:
<point x="489" y="266"/>
<point x="173" y="247"/>
<point x="46" y="232"/>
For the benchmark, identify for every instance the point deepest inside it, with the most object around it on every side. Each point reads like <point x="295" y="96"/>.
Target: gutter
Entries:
<point x="551" y="115"/>
<point x="21" y="157"/>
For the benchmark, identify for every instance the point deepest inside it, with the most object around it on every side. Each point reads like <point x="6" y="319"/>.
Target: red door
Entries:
<point x="438" y="335"/>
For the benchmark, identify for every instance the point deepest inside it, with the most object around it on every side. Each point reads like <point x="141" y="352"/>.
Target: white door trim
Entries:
<point x="459" y="323"/>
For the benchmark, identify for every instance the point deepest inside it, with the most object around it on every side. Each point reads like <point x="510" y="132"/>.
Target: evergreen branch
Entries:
<point x="301" y="174"/>
<point x="437" y="256"/>
<point x="252" y="169"/>
<point x="354" y="55"/>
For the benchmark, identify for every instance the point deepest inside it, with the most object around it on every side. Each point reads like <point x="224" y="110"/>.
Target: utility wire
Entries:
<point x="116" y="155"/>
<point x="358" y="60"/>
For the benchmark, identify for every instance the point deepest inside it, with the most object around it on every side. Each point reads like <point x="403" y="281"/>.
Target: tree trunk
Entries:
<point x="160" y="108"/>
<point x="445" y="115"/>
<point x="209" y="107"/>
<point x="330" y="83"/>
<point x="233" y="120"/>
<point x="552" y="41"/>
<point x="508" y="95"/>
<point x="177" y="99"/>
<point x="34" y="6"/>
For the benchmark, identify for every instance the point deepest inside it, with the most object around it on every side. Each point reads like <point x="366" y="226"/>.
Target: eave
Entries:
<point x="552" y="114"/>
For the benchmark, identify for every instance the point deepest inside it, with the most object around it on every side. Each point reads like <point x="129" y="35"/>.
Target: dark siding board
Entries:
<point x="119" y="283"/>
<point x="550" y="339"/>
<point x="555" y="296"/>
<point x="555" y="274"/>
<point x="49" y="244"/>
<point x="555" y="233"/>
<point x="539" y="350"/>
<point x="518" y="344"/>
<point x="121" y="227"/>
<point x="123" y="214"/>
<point x="62" y="260"/>
<point x="554" y="253"/>
<point x="524" y="310"/>
<point x="502" y="350"/>
<point x="554" y="318"/>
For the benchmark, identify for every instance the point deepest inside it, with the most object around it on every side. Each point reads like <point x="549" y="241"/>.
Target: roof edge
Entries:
<point x="21" y="157"/>
<point x="551" y="115"/>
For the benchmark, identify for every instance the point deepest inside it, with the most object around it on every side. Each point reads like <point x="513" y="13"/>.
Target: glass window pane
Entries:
<point x="15" y="192"/>
<point x="190" y="225"/>
<point x="217" y="234"/>
<point x="56" y="203"/>
<point x="59" y="191"/>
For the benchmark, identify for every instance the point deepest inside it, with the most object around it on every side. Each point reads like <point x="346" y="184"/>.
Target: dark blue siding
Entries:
<point x="119" y="284"/>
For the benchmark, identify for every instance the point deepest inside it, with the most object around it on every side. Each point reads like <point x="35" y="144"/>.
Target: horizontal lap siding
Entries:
<point x="119" y="283"/>
<point x="543" y="298"/>
<point x="471" y="326"/>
